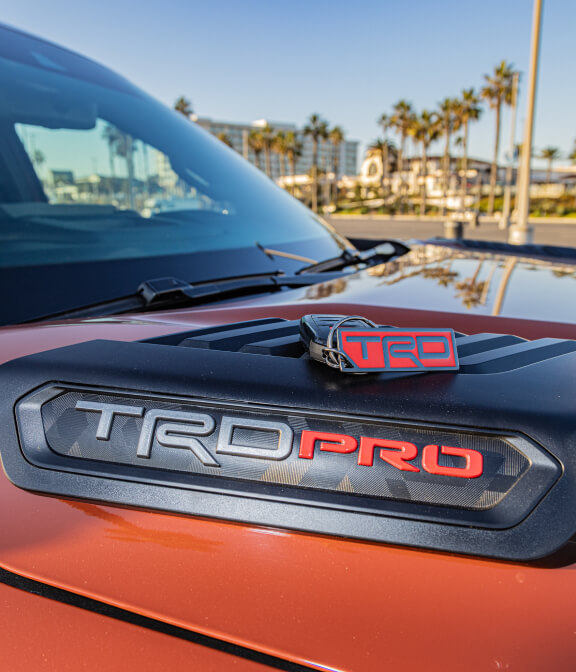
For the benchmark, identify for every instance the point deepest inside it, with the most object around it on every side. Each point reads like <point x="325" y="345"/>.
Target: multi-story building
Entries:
<point x="239" y="134"/>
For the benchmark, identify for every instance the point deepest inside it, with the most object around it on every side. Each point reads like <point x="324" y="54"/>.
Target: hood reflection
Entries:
<point x="446" y="279"/>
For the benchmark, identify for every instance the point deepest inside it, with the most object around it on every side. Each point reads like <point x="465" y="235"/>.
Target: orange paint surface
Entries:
<point x="329" y="603"/>
<point x="41" y="634"/>
<point x="344" y="604"/>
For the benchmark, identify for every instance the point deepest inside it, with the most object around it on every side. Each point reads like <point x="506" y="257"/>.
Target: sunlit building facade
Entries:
<point x="239" y="134"/>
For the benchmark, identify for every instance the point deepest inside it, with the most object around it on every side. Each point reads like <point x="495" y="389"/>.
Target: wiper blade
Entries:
<point x="380" y="254"/>
<point x="161" y="290"/>
<point x="170" y="292"/>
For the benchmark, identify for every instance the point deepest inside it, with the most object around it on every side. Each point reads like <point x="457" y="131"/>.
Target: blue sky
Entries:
<point x="242" y="60"/>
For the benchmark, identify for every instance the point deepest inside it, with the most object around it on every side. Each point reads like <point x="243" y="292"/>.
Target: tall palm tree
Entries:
<point x="401" y="120"/>
<point x="256" y="144"/>
<point x="387" y="150"/>
<point x="550" y="154"/>
<point x="317" y="129"/>
<point x="384" y="121"/>
<point x="336" y="137"/>
<point x="293" y="153"/>
<point x="279" y="146"/>
<point x="267" y="133"/>
<point x="425" y="128"/>
<point x="184" y="106"/>
<point x="38" y="159"/>
<point x="468" y="110"/>
<point x="111" y="135"/>
<point x="124" y="148"/>
<point x="498" y="90"/>
<point x="448" y="113"/>
<point x="225" y="138"/>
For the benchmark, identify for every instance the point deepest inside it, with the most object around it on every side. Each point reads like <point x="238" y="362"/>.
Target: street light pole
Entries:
<point x="505" y="220"/>
<point x="521" y="233"/>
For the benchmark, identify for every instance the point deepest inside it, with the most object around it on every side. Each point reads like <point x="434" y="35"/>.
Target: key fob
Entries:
<point x="314" y="331"/>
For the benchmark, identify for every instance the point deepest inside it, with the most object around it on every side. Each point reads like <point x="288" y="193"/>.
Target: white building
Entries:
<point x="239" y="133"/>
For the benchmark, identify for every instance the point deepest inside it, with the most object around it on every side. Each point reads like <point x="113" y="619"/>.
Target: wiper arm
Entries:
<point x="270" y="253"/>
<point x="170" y="292"/>
<point x="380" y="254"/>
<point x="162" y="290"/>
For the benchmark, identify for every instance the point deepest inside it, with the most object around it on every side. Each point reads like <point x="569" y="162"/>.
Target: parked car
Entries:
<point x="198" y="470"/>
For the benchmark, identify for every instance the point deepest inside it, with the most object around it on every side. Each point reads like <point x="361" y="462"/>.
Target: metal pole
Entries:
<point x="521" y="233"/>
<point x="505" y="220"/>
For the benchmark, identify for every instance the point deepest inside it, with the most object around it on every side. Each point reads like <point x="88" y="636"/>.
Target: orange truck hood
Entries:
<point x="327" y="603"/>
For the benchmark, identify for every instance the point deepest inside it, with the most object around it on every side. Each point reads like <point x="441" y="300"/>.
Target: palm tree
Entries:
<point x="267" y="133"/>
<point x="401" y="120"/>
<point x="572" y="155"/>
<point x="447" y="111"/>
<point x="125" y="148"/>
<point x="550" y="154"/>
<point x="384" y="122"/>
<point x="184" y="106"/>
<point x="498" y="90"/>
<point x="256" y="144"/>
<point x="470" y="289"/>
<point x="279" y="146"/>
<point x="468" y="110"/>
<point x="425" y="129"/>
<point x="336" y="137"/>
<point x="225" y="138"/>
<point x="293" y="152"/>
<point x="111" y="134"/>
<point x="38" y="159"/>
<point x="317" y="129"/>
<point x="385" y="148"/>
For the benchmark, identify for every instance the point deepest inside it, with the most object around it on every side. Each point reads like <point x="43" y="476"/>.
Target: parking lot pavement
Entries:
<point x="379" y="228"/>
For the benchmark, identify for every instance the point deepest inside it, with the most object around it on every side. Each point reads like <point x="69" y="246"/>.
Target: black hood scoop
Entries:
<point x="236" y="422"/>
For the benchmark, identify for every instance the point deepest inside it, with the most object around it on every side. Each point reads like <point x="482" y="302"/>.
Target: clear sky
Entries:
<point x="350" y="61"/>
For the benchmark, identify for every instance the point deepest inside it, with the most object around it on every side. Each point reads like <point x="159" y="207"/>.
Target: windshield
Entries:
<point x="93" y="171"/>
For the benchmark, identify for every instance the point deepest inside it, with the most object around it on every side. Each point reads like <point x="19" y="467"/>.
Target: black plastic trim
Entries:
<point x="534" y="401"/>
<point x="193" y="493"/>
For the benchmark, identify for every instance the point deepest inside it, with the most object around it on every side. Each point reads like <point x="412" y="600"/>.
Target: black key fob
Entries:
<point x="315" y="333"/>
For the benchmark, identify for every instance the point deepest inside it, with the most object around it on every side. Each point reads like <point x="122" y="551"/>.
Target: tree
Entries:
<point x="279" y="146"/>
<point x="384" y="122"/>
<point x="317" y="129"/>
<point x="425" y="128"/>
<point x="256" y="144"/>
<point x="572" y="155"/>
<point x="468" y="110"/>
<point x="293" y="152"/>
<point x="225" y="138"/>
<point x="38" y="159"/>
<point x="549" y="154"/>
<point x="498" y="90"/>
<point x="184" y="106"/>
<point x="125" y="148"/>
<point x="401" y="120"/>
<point x="448" y="114"/>
<point x="386" y="149"/>
<point x="267" y="134"/>
<point x="110" y="134"/>
<point x="336" y="137"/>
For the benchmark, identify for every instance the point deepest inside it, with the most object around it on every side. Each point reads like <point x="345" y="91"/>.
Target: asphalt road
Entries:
<point x="379" y="227"/>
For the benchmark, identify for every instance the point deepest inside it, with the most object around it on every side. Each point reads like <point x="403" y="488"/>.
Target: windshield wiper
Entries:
<point x="170" y="292"/>
<point x="380" y="254"/>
